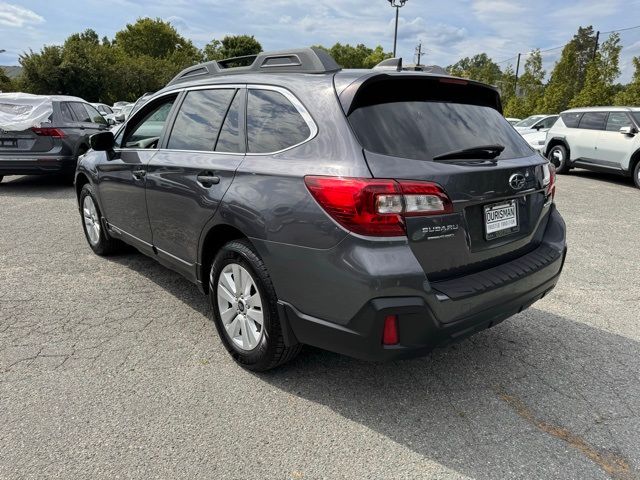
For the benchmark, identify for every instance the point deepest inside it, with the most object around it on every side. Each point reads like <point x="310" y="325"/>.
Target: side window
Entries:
<point x="147" y="125"/>
<point x="81" y="113"/>
<point x="231" y="139"/>
<point x="273" y="123"/>
<point x="199" y="120"/>
<point x="617" y="120"/>
<point x="571" y="120"/>
<point x="65" y="111"/>
<point x="95" y="115"/>
<point x="593" y="120"/>
<point x="548" y="122"/>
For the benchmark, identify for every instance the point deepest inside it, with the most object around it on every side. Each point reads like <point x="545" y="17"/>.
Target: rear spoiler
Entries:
<point x="384" y="87"/>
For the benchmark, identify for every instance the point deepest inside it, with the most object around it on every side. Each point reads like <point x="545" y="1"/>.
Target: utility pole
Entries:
<point x="419" y="54"/>
<point x="515" y="86"/>
<point x="595" y="49"/>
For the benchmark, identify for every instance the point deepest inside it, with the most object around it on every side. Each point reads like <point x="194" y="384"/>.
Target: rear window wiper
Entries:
<point x="482" y="152"/>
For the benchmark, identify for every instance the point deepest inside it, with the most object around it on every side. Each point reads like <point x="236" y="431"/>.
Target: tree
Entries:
<point x="569" y="73"/>
<point x="153" y="38"/>
<point x="630" y="96"/>
<point x="41" y="72"/>
<point x="530" y="88"/>
<point x="599" y="89"/>
<point x="6" y="85"/>
<point x="479" y="67"/>
<point x="506" y="85"/>
<point x="360" y="56"/>
<point x="232" y="46"/>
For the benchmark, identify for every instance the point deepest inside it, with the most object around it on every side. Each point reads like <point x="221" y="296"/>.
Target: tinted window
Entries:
<point x="65" y="111"/>
<point x="80" y="112"/>
<point x="617" y="120"/>
<point x="95" y="115"/>
<point x="230" y="138"/>
<point x="571" y="120"/>
<point x="422" y="129"/>
<point x="147" y="127"/>
<point x="273" y="123"/>
<point x="593" y="120"/>
<point x="199" y="120"/>
<point x="636" y="115"/>
<point x="548" y="122"/>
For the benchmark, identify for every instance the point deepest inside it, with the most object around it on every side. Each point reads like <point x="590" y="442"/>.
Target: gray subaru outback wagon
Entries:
<point x="376" y="213"/>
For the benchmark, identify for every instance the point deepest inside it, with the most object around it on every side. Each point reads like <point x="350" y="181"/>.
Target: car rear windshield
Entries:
<point x="425" y="129"/>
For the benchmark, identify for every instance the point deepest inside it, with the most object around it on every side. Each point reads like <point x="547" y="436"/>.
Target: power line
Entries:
<point x="621" y="30"/>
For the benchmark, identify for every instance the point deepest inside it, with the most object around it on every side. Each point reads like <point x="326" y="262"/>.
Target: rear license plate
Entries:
<point x="501" y="219"/>
<point x="11" y="143"/>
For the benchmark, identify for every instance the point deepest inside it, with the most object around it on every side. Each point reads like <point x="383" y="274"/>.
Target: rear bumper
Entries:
<point x="35" y="165"/>
<point x="450" y="312"/>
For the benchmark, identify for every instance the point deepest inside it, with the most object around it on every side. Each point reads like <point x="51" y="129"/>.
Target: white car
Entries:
<point x="513" y="120"/>
<point x="535" y="123"/>
<point x="536" y="140"/>
<point x="603" y="139"/>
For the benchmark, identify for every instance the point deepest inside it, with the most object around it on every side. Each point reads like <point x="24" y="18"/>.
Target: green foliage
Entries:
<point x="154" y="38"/>
<point x="6" y="85"/>
<point x="360" y="56"/>
<point x="530" y="88"/>
<point x="630" y="96"/>
<point x="232" y="46"/>
<point x="599" y="89"/>
<point x="479" y="67"/>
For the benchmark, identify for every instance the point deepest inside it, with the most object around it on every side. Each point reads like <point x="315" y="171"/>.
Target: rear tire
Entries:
<point x="97" y="238"/>
<point x="636" y="175"/>
<point x="242" y="295"/>
<point x="559" y="157"/>
<point x="1" y="178"/>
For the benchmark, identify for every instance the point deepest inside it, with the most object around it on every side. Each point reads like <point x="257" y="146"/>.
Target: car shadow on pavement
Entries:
<point x="539" y="396"/>
<point x="36" y="186"/>
<point x="603" y="177"/>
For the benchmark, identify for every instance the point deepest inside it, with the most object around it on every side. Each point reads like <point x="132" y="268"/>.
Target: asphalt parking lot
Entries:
<point x="111" y="368"/>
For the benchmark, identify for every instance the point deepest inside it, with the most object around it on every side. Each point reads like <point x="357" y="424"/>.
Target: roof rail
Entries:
<point x="301" y="60"/>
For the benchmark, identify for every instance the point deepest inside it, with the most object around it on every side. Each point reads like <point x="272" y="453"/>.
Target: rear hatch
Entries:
<point x="21" y="116"/>
<point x="451" y="132"/>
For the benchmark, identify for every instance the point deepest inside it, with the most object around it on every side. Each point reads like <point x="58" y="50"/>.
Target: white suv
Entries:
<point x="603" y="139"/>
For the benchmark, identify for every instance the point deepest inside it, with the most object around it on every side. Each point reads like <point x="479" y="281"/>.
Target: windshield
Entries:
<point x="636" y="116"/>
<point x="530" y="121"/>
<point x="423" y="130"/>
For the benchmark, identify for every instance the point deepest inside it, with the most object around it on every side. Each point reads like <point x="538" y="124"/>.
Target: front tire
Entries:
<point x="559" y="157"/>
<point x="99" y="241"/>
<point x="636" y="175"/>
<point x="245" y="309"/>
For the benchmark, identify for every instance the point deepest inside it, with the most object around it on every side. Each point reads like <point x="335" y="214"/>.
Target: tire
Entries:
<point x="99" y="241"/>
<point x="1" y="178"/>
<point x="253" y="346"/>
<point x="636" y="175"/>
<point x="559" y="157"/>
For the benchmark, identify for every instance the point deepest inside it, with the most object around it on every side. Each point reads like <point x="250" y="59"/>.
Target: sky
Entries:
<point x="449" y="30"/>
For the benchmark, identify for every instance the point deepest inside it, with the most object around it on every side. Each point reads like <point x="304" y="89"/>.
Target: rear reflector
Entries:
<point x="377" y="207"/>
<point x="549" y="170"/>
<point x="49" y="132"/>
<point x="390" y="332"/>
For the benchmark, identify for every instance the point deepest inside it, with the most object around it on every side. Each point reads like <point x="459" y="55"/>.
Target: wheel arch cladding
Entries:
<point x="81" y="181"/>
<point x="558" y="141"/>
<point x="635" y="158"/>
<point x="213" y="241"/>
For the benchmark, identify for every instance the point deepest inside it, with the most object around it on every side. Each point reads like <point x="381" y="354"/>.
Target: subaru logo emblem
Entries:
<point x="517" y="181"/>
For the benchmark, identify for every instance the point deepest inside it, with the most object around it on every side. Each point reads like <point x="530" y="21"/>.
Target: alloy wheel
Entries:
<point x="91" y="220"/>
<point x="240" y="307"/>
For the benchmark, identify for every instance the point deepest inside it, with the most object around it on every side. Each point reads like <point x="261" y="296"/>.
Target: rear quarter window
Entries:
<point x="571" y="120"/>
<point x="273" y="122"/>
<point x="593" y="121"/>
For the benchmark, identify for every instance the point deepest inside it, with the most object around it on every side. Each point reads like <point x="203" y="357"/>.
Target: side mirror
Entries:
<point x="111" y="121"/>
<point x="102" y="142"/>
<point x="120" y="117"/>
<point x="538" y="127"/>
<point x="630" y="131"/>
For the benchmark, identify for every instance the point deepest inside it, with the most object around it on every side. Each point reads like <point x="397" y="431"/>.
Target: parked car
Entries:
<point x="536" y="140"/>
<point x="536" y="123"/>
<point x="118" y="106"/>
<point x="330" y="207"/>
<point x="124" y="113"/>
<point x="45" y="134"/>
<point x="603" y="139"/>
<point x="513" y="120"/>
<point x="107" y="112"/>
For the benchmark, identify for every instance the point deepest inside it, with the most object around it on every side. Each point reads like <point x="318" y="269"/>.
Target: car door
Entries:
<point x="585" y="138"/>
<point x="614" y="148"/>
<point x="188" y="177"/>
<point x="121" y="180"/>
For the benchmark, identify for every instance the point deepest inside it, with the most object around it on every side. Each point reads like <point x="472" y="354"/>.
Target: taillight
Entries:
<point x="390" y="331"/>
<point x="49" y="132"/>
<point x="549" y="182"/>
<point x="377" y="207"/>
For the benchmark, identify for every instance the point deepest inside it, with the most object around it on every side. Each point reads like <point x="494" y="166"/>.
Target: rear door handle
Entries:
<point x="207" y="179"/>
<point x="139" y="174"/>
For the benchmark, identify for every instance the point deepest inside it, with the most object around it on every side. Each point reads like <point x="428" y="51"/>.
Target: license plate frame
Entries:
<point x="502" y="226"/>
<point x="9" y="142"/>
